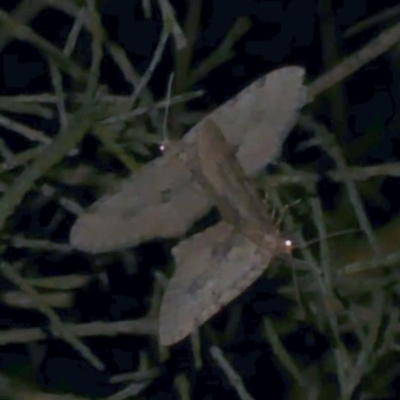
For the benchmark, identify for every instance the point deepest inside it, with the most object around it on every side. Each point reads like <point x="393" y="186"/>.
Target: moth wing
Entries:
<point x="282" y="98"/>
<point x="259" y="118"/>
<point x="212" y="268"/>
<point x="161" y="201"/>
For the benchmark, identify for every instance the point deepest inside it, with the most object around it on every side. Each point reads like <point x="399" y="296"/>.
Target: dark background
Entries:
<point x="363" y="116"/>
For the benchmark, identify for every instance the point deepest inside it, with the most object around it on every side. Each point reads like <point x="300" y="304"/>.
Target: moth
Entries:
<point x="163" y="200"/>
<point x="172" y="192"/>
<point x="216" y="265"/>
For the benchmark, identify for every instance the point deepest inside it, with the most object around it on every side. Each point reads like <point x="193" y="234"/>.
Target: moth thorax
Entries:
<point x="278" y="244"/>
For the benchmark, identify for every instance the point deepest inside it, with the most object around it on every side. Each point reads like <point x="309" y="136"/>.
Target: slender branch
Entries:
<point x="143" y="326"/>
<point x="24" y="33"/>
<point x="352" y="63"/>
<point x="234" y="378"/>
<point x="57" y="326"/>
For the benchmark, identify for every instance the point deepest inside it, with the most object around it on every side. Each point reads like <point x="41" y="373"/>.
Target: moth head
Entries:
<point x="163" y="146"/>
<point x="166" y="145"/>
<point x="285" y="246"/>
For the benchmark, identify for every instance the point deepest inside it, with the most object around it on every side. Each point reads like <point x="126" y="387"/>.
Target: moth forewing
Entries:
<point x="285" y="95"/>
<point x="257" y="121"/>
<point x="146" y="206"/>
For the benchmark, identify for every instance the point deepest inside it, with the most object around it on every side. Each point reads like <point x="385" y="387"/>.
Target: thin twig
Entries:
<point x="383" y="260"/>
<point x="352" y="63"/>
<point x="24" y="33"/>
<point x="98" y="37"/>
<point x="51" y="154"/>
<point x="152" y="66"/>
<point x="74" y="33"/>
<point x="383" y="16"/>
<point x="26" y="131"/>
<point x="170" y="22"/>
<point x="310" y="179"/>
<point x="233" y="377"/>
<point x="131" y="115"/>
<point x="21" y="242"/>
<point x="182" y="386"/>
<point x="63" y="282"/>
<point x="20" y="159"/>
<point x="53" y="299"/>
<point x="24" y="13"/>
<point x="280" y="352"/>
<point x="7" y="104"/>
<point x="330" y="146"/>
<point x="143" y="326"/>
<point x="57" y="326"/>
<point x="222" y="53"/>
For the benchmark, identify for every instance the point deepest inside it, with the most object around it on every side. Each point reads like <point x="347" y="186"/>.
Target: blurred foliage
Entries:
<point x="82" y="107"/>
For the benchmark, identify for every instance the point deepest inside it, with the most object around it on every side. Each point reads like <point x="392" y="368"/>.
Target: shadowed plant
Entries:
<point x="89" y="133"/>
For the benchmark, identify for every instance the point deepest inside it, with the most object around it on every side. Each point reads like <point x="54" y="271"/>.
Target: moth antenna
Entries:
<point x="331" y="235"/>
<point x="165" y="141"/>
<point x="285" y="209"/>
